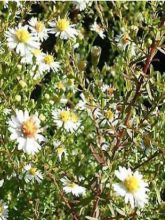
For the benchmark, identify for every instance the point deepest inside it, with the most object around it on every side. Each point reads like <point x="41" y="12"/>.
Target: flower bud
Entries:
<point x="47" y="96"/>
<point x="22" y="83"/>
<point x="42" y="117"/>
<point x="51" y="102"/>
<point x="95" y="55"/>
<point x="82" y="65"/>
<point x="18" y="98"/>
<point x="60" y="86"/>
<point x="19" y="66"/>
<point x="149" y="41"/>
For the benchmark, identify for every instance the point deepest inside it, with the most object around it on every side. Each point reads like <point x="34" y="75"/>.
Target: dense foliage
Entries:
<point x="82" y="110"/>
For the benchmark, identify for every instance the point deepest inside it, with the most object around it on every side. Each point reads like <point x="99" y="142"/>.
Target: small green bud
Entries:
<point x="42" y="117"/>
<point x="51" y="102"/>
<point x="47" y="96"/>
<point x="95" y="55"/>
<point x="22" y="83"/>
<point x="18" y="98"/>
<point x="19" y="66"/>
<point x="82" y="65"/>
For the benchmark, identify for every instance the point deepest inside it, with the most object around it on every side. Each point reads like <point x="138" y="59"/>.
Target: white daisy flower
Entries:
<point x="108" y="89"/>
<point x="98" y="29"/>
<point x="25" y="129"/>
<point x="38" y="29"/>
<point x="71" y="187"/>
<point x="109" y="117"/>
<point x="82" y="4"/>
<point x="3" y="211"/>
<point x="19" y="38"/>
<point x="104" y="87"/>
<point x="63" y="29"/>
<point x="66" y="118"/>
<point x="92" y="110"/>
<point x="34" y="54"/>
<point x="61" y="151"/>
<point x="60" y="86"/>
<point x="123" y="39"/>
<point x="31" y="174"/>
<point x="47" y="63"/>
<point x="132" y="187"/>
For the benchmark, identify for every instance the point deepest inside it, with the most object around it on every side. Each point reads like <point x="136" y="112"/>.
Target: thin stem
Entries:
<point x="151" y="54"/>
<point x="146" y="161"/>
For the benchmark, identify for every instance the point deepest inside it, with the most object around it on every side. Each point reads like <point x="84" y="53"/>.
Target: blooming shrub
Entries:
<point x="82" y="110"/>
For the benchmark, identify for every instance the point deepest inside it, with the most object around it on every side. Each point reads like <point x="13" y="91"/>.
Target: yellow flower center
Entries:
<point x="72" y="185"/>
<point x="73" y="117"/>
<point x="60" y="150"/>
<point x="109" y="115"/>
<point x="36" y="52"/>
<point x="29" y="128"/>
<point x="23" y="36"/>
<point x="125" y="39"/>
<point x="48" y="59"/>
<point x="60" y="85"/>
<point x="110" y="91"/>
<point x="132" y="184"/>
<point x="39" y="26"/>
<point x="65" y="116"/>
<point x="62" y="24"/>
<point x="99" y="29"/>
<point x="33" y="171"/>
<point x="71" y="82"/>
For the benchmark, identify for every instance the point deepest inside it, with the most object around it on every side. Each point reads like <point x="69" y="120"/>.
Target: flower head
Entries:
<point x="71" y="187"/>
<point x="98" y="29"/>
<point x="66" y="118"/>
<point x="132" y="187"/>
<point x="47" y="63"/>
<point x="123" y="39"/>
<point x="21" y="39"/>
<point x="31" y="174"/>
<point x="63" y="28"/>
<point x="25" y="129"/>
<point x="38" y="29"/>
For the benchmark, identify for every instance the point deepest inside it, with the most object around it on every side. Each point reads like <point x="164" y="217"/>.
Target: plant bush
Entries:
<point x="82" y="110"/>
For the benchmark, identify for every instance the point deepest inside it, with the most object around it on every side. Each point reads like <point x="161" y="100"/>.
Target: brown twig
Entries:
<point x="146" y="161"/>
<point x="95" y="206"/>
<point x="148" y="61"/>
<point x="100" y="158"/>
<point x="97" y="197"/>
